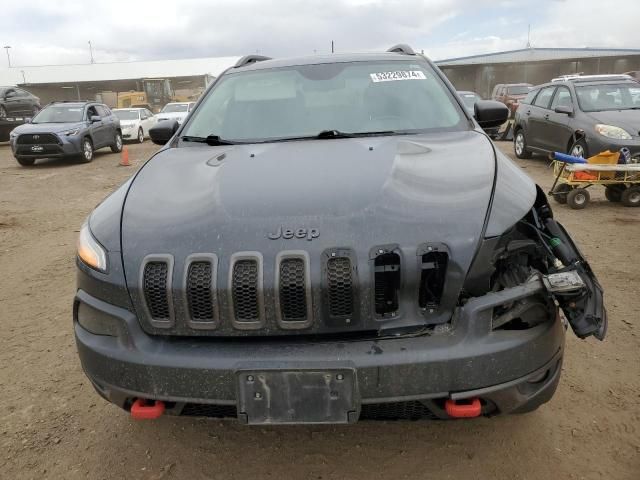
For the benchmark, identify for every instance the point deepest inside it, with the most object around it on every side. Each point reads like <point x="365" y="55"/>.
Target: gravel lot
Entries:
<point x="53" y="425"/>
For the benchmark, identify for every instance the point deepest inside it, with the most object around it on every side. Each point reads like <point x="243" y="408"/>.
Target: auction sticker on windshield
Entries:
<point x="398" y="75"/>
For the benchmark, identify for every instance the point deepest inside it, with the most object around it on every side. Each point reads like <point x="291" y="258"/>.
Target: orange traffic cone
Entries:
<point x="124" y="158"/>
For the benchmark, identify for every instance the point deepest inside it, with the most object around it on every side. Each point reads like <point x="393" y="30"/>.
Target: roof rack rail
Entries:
<point x="589" y="78"/>
<point x="249" y="59"/>
<point x="402" y="48"/>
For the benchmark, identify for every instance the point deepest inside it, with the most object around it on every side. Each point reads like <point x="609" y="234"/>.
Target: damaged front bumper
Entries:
<point x="508" y="370"/>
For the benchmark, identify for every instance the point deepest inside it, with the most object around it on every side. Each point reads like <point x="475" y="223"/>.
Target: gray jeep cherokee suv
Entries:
<point x="66" y="129"/>
<point x="328" y="239"/>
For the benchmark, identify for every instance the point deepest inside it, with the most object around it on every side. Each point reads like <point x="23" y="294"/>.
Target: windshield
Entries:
<point x="470" y="99"/>
<point x="59" y="114"/>
<point x="127" y="114"/>
<point x="302" y="101"/>
<point x="521" y="90"/>
<point x="597" y="98"/>
<point x="175" y="107"/>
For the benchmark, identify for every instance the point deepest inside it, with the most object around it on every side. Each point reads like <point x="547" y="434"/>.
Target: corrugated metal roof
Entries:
<point x="538" y="55"/>
<point x="97" y="72"/>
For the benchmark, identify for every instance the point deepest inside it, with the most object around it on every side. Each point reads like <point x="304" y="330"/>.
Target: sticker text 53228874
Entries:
<point x="398" y="75"/>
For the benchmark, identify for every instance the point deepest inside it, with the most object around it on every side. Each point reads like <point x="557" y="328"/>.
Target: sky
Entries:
<point x="44" y="32"/>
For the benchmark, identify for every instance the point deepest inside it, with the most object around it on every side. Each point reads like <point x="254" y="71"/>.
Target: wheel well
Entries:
<point x="577" y="135"/>
<point x="516" y="129"/>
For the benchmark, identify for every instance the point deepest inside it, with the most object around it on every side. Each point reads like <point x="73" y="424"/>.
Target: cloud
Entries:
<point x="45" y="32"/>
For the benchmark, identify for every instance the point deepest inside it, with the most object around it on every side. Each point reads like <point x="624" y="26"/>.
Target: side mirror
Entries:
<point x="95" y="118"/>
<point x="490" y="114"/>
<point x="564" y="109"/>
<point x="162" y="131"/>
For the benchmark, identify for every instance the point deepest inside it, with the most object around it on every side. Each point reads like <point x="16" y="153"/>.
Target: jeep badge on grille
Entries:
<point x="286" y="233"/>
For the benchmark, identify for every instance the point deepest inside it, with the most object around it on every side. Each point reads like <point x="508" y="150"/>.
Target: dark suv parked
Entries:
<point x="16" y="102"/>
<point x="582" y="116"/>
<point x="67" y="129"/>
<point x="325" y="239"/>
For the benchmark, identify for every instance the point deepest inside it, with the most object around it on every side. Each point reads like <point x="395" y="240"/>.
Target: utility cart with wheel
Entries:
<point x="574" y="176"/>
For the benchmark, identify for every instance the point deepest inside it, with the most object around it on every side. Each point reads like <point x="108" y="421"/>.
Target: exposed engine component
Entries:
<point x="538" y="246"/>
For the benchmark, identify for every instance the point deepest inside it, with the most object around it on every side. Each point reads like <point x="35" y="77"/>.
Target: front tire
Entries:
<point x="578" y="198"/>
<point x="631" y="197"/>
<point x="520" y="145"/>
<point x="87" y="150"/>
<point x="140" y="135"/>
<point x="26" y="162"/>
<point x="579" y="149"/>
<point x="117" y="143"/>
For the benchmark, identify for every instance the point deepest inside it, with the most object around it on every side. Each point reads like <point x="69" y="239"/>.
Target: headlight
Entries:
<point x="70" y="133"/>
<point x="610" y="131"/>
<point x="90" y="251"/>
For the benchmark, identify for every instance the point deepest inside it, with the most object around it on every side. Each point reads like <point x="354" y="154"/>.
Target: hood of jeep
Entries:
<point x="356" y="194"/>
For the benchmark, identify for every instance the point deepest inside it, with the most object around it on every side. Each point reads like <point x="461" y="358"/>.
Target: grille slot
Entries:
<point x="156" y="291"/>
<point x="246" y="290"/>
<point x="200" y="291"/>
<point x="340" y="287"/>
<point x="386" y="283"/>
<point x="293" y="288"/>
<point x="410" y="410"/>
<point x="209" y="410"/>
<point x="37" y="139"/>
<point x="432" y="278"/>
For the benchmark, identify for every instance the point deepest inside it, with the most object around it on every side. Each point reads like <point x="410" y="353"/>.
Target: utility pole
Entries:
<point x="91" y="51"/>
<point x="7" y="47"/>
<point x="331" y="46"/>
<point x="529" y="37"/>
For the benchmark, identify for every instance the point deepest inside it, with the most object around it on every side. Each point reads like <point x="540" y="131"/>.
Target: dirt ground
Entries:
<point x="53" y="425"/>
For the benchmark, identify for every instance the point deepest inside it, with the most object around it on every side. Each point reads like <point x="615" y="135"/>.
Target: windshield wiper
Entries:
<point x="212" y="140"/>
<point x="339" y="134"/>
<point x="331" y="134"/>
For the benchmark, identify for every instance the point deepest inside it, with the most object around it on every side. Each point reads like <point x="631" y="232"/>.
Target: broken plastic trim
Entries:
<point x="583" y="305"/>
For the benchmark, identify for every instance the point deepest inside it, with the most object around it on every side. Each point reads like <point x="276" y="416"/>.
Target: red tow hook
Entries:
<point x="469" y="409"/>
<point x="147" y="409"/>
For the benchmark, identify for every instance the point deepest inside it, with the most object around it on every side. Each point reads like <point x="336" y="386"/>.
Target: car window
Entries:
<point x="562" y="98"/>
<point x="10" y="92"/>
<point x="101" y="111"/>
<point x="518" y="90"/>
<point x="528" y="100"/>
<point x="544" y="97"/>
<point x="127" y="114"/>
<point x="303" y="100"/>
<point x="597" y="98"/>
<point x="91" y="112"/>
<point x="469" y="99"/>
<point x="175" y="107"/>
<point x="21" y="93"/>
<point x="148" y="113"/>
<point x="59" y="114"/>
